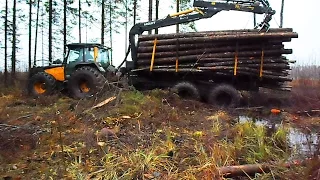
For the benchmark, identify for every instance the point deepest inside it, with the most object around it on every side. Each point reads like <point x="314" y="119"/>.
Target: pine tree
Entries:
<point x="64" y="27"/>
<point x="36" y="35"/>
<point x="6" y="46"/>
<point x="281" y="14"/>
<point x="177" y="9"/>
<point x="150" y="13"/>
<point x="50" y="30"/>
<point x="79" y="17"/>
<point x="157" y="14"/>
<point x="14" y="42"/>
<point x="102" y="20"/>
<point x="30" y="33"/>
<point x="186" y="27"/>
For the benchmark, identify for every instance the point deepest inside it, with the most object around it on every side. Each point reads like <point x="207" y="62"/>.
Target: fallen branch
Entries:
<point x="307" y="112"/>
<point x="25" y="116"/>
<point x="249" y="169"/>
<point x="101" y="104"/>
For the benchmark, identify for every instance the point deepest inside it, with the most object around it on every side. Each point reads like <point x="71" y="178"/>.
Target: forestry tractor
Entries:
<point x="86" y="67"/>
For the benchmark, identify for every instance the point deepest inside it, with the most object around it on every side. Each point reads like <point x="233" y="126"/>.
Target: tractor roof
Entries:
<point x="73" y="45"/>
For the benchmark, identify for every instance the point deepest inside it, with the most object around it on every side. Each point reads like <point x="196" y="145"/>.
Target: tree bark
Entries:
<point x="6" y="46"/>
<point x="157" y="15"/>
<point x="102" y="21"/>
<point x="36" y="36"/>
<point x="30" y="33"/>
<point x="126" y="27"/>
<point x="201" y="58"/>
<point x="64" y="27"/>
<point x="110" y="28"/>
<point x="79" y="17"/>
<point x="230" y="61"/>
<point x="245" y="37"/>
<point x="189" y="46"/>
<point x="14" y="39"/>
<point x="134" y="11"/>
<point x="210" y="33"/>
<point x="50" y="30"/>
<point x="150" y="13"/>
<point x="209" y="50"/>
<point x="178" y="9"/>
<point x="281" y="14"/>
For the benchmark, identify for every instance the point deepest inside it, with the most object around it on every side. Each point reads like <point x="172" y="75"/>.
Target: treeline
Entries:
<point x="311" y="72"/>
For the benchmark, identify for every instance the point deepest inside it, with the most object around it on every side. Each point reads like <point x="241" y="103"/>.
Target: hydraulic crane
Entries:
<point x="201" y="10"/>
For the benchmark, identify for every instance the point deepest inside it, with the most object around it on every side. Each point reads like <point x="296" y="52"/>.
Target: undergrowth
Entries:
<point x="151" y="135"/>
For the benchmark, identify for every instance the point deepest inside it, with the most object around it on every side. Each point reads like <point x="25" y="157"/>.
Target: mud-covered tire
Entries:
<point x="186" y="90"/>
<point x="224" y="96"/>
<point x="41" y="84"/>
<point x="93" y="79"/>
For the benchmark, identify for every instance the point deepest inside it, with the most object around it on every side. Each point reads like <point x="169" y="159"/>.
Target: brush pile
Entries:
<point x="229" y="53"/>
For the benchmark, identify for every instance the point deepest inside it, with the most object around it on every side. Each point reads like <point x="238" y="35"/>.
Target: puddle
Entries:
<point x="301" y="143"/>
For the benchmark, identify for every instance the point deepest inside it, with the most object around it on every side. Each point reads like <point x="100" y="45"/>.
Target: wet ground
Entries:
<point x="304" y="142"/>
<point x="38" y="137"/>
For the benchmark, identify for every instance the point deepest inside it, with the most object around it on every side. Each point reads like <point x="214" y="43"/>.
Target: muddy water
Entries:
<point x="302" y="142"/>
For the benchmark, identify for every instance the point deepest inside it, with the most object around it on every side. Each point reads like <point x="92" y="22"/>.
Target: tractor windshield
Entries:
<point x="77" y="55"/>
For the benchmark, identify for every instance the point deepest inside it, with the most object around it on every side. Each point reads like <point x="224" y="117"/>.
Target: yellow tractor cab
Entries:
<point x="82" y="73"/>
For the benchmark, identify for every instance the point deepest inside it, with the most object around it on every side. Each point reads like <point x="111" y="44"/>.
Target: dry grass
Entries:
<point x="305" y="95"/>
<point x="155" y="135"/>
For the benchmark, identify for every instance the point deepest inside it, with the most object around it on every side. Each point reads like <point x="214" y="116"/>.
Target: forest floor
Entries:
<point x="156" y="135"/>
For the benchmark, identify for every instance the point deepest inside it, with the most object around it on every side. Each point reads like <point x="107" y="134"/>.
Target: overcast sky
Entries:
<point x="302" y="16"/>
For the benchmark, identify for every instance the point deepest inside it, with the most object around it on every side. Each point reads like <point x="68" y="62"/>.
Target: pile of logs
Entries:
<point x="232" y="53"/>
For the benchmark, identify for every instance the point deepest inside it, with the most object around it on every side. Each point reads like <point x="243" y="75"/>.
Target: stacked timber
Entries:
<point x="231" y="53"/>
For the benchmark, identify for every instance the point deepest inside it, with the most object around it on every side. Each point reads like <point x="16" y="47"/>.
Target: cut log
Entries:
<point x="209" y="50"/>
<point x="214" y="54"/>
<point x="245" y="69"/>
<point x="274" y="66"/>
<point x="240" y="62"/>
<point x="208" y="33"/>
<point x="173" y="70"/>
<point x="280" y="36"/>
<point x="226" y="70"/>
<point x="198" y="58"/>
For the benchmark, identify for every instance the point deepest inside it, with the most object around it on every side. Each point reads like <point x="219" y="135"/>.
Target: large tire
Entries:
<point x="224" y="96"/>
<point x="85" y="82"/>
<point x="186" y="90"/>
<point x="42" y="84"/>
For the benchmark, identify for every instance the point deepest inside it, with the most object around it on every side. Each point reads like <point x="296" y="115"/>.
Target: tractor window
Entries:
<point x="74" y="55"/>
<point x="103" y="56"/>
<point x="88" y="54"/>
<point x="80" y="55"/>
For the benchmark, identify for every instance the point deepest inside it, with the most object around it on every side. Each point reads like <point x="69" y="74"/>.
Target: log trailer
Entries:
<point x="87" y="67"/>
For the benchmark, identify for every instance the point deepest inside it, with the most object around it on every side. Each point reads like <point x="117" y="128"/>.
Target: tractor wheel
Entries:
<point x="85" y="82"/>
<point x="42" y="84"/>
<point x="186" y="90"/>
<point x="224" y="96"/>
